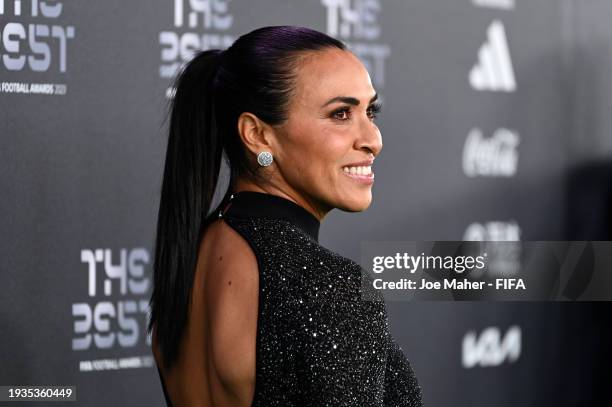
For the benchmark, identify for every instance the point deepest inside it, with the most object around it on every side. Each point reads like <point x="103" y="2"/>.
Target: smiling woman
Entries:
<point x="247" y="307"/>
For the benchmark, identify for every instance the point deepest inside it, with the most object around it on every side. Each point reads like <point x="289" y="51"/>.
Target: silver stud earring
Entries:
<point x="264" y="158"/>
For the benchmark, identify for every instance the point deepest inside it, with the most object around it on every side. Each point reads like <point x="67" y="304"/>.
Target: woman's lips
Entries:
<point x="363" y="175"/>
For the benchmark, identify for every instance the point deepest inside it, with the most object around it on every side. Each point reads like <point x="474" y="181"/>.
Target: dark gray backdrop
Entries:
<point x="81" y="173"/>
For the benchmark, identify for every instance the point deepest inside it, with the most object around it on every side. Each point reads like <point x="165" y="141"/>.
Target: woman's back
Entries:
<point x="216" y="362"/>
<point x="283" y="321"/>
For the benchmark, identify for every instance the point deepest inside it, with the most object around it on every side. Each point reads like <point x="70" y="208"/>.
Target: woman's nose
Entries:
<point x="370" y="138"/>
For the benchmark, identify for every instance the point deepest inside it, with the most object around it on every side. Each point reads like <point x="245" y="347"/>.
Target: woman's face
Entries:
<point x="324" y="150"/>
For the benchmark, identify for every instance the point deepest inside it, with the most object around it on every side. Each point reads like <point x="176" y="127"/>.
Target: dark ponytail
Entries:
<point x="193" y="159"/>
<point x="256" y="74"/>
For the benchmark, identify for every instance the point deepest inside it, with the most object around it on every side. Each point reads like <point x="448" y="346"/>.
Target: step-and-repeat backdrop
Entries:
<point x="496" y="126"/>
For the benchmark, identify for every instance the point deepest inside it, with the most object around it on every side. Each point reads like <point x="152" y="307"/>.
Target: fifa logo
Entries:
<point x="34" y="45"/>
<point x="102" y="323"/>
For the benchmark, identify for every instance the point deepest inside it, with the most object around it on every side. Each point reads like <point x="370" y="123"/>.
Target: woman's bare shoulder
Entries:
<point x="231" y="295"/>
<point x="227" y="259"/>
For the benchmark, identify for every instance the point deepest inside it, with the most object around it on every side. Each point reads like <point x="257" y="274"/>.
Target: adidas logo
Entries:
<point x="493" y="70"/>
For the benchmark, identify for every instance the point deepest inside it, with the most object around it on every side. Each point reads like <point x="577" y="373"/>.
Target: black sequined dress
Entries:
<point x="318" y="342"/>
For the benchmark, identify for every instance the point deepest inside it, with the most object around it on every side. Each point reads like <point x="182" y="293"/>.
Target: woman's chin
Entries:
<point x="356" y="202"/>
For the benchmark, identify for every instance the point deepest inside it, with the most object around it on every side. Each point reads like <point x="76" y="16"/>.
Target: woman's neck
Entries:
<point x="285" y="191"/>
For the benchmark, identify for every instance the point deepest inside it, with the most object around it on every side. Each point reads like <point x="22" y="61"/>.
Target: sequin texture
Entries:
<point x="318" y="342"/>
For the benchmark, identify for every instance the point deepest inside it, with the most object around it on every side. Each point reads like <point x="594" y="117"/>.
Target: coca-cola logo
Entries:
<point x="494" y="156"/>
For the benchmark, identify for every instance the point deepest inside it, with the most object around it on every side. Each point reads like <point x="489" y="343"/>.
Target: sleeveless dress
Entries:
<point x="319" y="343"/>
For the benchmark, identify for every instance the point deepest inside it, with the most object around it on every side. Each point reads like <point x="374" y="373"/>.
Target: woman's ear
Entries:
<point x="256" y="135"/>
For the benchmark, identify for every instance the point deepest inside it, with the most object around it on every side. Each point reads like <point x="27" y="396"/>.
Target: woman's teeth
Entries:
<point x="361" y="170"/>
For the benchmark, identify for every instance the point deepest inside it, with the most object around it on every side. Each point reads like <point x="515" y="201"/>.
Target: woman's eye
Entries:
<point x="376" y="108"/>
<point x="344" y="113"/>
<point x="337" y="114"/>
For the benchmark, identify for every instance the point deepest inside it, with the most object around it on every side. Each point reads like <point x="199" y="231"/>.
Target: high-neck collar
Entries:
<point x="247" y="204"/>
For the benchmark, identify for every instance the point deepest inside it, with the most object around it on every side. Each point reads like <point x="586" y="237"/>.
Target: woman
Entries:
<point x="247" y="307"/>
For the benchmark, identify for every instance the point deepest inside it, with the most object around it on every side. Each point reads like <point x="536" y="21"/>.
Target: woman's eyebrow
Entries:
<point x="348" y="99"/>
